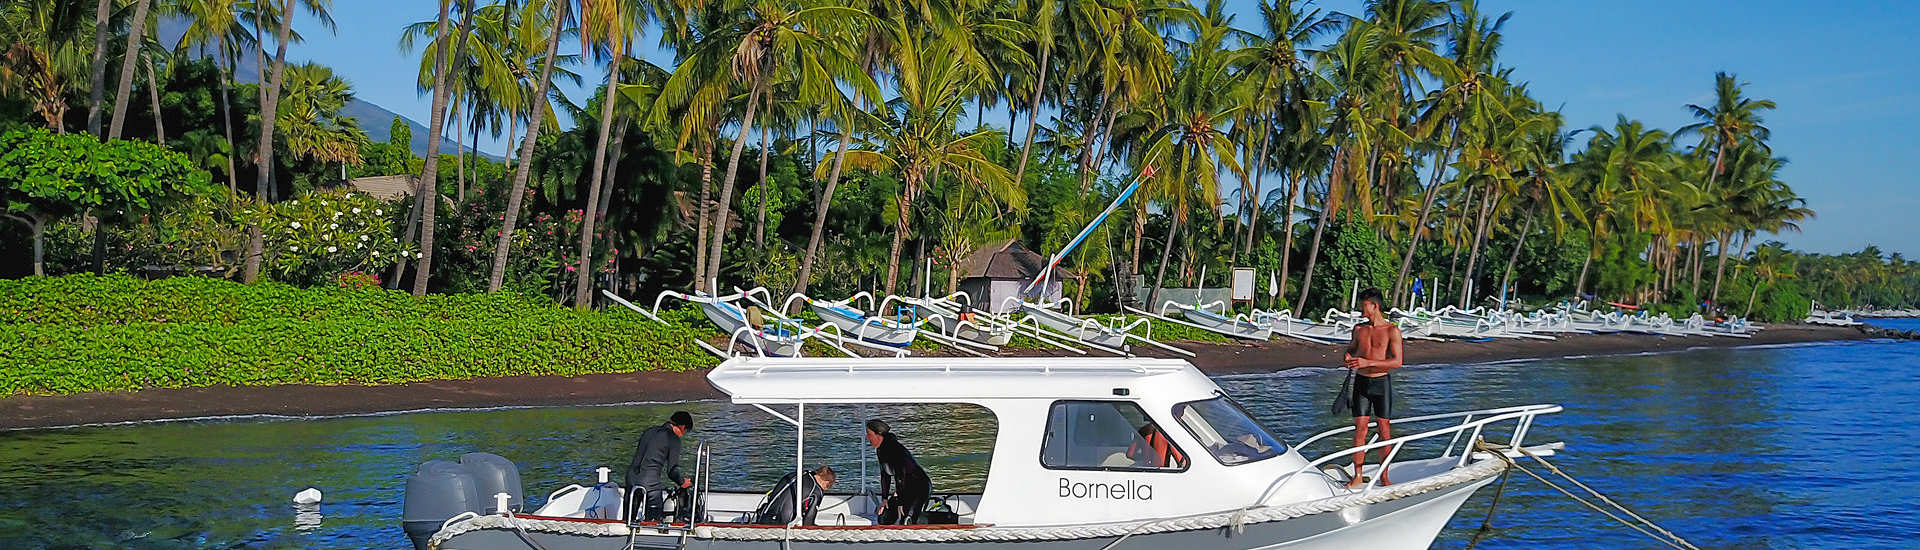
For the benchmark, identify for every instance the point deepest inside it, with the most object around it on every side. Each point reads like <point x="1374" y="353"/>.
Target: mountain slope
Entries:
<point x="374" y="119"/>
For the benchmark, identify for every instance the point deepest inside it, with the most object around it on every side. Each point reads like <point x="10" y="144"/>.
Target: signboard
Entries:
<point x="1243" y="283"/>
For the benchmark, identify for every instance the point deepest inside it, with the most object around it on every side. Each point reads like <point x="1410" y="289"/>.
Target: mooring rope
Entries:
<point x="1669" y="539"/>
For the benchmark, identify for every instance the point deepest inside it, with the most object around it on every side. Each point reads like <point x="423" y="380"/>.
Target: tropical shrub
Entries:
<point x="85" y="333"/>
<point x="323" y="233"/>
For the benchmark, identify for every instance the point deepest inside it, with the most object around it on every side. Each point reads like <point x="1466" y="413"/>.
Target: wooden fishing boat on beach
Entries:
<point x="1072" y="467"/>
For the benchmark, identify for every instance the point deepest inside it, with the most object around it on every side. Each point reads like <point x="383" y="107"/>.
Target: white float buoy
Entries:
<point x="309" y="496"/>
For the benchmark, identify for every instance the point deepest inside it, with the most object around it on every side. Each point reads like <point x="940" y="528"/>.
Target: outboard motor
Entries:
<point x="493" y="475"/>
<point x="438" y="490"/>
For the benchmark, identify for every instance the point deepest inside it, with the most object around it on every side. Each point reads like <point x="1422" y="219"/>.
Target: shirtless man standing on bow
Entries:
<point x="1375" y="353"/>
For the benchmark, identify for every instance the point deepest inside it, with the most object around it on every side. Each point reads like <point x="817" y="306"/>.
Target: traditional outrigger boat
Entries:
<point x="858" y="323"/>
<point x="1239" y="325"/>
<point x="1064" y="472"/>
<point x="1336" y="327"/>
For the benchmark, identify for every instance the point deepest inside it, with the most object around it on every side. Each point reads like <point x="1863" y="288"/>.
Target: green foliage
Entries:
<point x="1352" y="252"/>
<point x="322" y="234"/>
<point x="47" y="174"/>
<point x="82" y="333"/>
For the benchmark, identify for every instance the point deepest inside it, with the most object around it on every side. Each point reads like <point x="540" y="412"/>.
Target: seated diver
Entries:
<point x="777" y="509"/>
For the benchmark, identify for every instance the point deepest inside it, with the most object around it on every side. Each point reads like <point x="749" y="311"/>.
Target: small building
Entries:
<point x="384" y="187"/>
<point x="998" y="272"/>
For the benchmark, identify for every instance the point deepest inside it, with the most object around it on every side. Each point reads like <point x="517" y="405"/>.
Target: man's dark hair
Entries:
<point x="1373" y="295"/>
<point x="877" y="426"/>
<point x="681" y="419"/>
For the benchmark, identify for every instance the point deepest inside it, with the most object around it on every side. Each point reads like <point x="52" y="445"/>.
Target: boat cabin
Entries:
<point x="1076" y="441"/>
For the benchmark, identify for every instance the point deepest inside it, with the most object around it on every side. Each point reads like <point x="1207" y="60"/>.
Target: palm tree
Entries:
<point x="1279" y="59"/>
<point x="765" y="43"/>
<point x="311" y="119"/>
<point x="918" y="138"/>
<point x="1730" y="121"/>
<point x="536" y="119"/>
<point x="1186" y="135"/>
<point x="1468" y="74"/>
<point x="263" y="155"/>
<point x="43" y="53"/>
<point x="875" y="40"/>
<point x="215" y="24"/>
<point x="1352" y="69"/>
<point x="608" y="24"/>
<point x="1622" y="168"/>
<point x="101" y="28"/>
<point x="135" y="38"/>
<point x="1043" y="14"/>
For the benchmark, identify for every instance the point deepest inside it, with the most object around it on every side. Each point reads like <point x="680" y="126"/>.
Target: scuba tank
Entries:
<point x="603" y="500"/>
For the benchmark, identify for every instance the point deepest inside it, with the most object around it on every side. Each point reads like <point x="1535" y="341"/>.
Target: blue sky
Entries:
<point x="1845" y="74"/>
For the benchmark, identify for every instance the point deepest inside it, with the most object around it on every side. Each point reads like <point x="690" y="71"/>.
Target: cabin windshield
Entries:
<point x="1227" y="432"/>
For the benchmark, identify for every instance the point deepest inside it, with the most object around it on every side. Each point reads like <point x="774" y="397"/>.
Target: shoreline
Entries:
<point x="299" y="401"/>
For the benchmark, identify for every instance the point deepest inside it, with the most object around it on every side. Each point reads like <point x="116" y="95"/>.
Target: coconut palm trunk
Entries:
<point x="102" y="21"/>
<point x="820" y="210"/>
<point x="1259" y="175"/>
<point x="1479" y="237"/>
<point x="1720" y="266"/>
<point x="263" y="155"/>
<point x="1519" y="241"/>
<point x="153" y="95"/>
<point x="760" y="223"/>
<point x="583" y="272"/>
<point x="1426" y="208"/>
<point x="613" y="169"/>
<point x="1286" y="249"/>
<point x="705" y="207"/>
<point x="1319" y="231"/>
<point x="1166" y="253"/>
<point x="754" y="97"/>
<point x="523" y="169"/>
<point x="135" y="37"/>
<point x="226" y="111"/>
<point x="428" y="188"/>
<point x="1033" y="118"/>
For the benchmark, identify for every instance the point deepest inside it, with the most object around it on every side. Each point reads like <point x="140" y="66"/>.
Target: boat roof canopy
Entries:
<point x="756" y="380"/>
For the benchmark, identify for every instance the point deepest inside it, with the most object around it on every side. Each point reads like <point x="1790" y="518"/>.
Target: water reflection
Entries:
<point x="1761" y="447"/>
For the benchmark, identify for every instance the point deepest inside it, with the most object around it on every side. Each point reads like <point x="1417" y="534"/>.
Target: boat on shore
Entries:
<point x="1068" y="469"/>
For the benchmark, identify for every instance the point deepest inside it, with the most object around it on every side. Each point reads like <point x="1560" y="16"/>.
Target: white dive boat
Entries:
<point x="1069" y="468"/>
<point x="857" y="323"/>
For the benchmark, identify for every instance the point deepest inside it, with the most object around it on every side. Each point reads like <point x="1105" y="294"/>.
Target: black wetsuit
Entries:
<point x="778" y="509"/>
<point x="657" y="455"/>
<point x="1372" y="396"/>
<point x="902" y="481"/>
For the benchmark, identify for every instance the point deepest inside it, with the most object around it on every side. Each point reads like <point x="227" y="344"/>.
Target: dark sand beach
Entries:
<point x="522" y="391"/>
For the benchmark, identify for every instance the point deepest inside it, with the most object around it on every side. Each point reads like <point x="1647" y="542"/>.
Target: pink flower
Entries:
<point x="569" y="268"/>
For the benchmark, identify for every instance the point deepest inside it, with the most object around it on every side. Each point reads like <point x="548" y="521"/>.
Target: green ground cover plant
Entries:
<point x="85" y="333"/>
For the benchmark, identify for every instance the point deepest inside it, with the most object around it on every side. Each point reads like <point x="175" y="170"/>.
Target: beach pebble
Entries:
<point x="309" y="496"/>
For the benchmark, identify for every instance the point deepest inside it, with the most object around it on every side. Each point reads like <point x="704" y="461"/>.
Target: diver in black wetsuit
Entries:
<point x="903" y="484"/>
<point x="655" y="469"/>
<point x="778" y="507"/>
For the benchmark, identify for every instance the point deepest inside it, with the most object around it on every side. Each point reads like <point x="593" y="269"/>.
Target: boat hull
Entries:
<point x="866" y="328"/>
<point x="1410" y="522"/>
<point x="1226" y="325"/>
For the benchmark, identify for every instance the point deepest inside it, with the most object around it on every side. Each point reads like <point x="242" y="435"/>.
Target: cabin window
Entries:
<point x="1107" y="435"/>
<point x="1227" y="432"/>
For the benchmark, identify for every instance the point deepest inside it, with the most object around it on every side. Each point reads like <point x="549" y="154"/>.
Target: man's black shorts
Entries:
<point x="1372" y="396"/>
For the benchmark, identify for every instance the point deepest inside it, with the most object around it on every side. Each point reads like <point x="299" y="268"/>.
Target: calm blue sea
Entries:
<point x="1807" y="446"/>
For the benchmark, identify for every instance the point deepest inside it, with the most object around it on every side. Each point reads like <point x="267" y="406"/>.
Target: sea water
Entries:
<point x="1779" y="446"/>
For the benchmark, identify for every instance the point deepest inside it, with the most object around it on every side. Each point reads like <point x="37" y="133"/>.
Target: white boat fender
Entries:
<point x="308" y="496"/>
